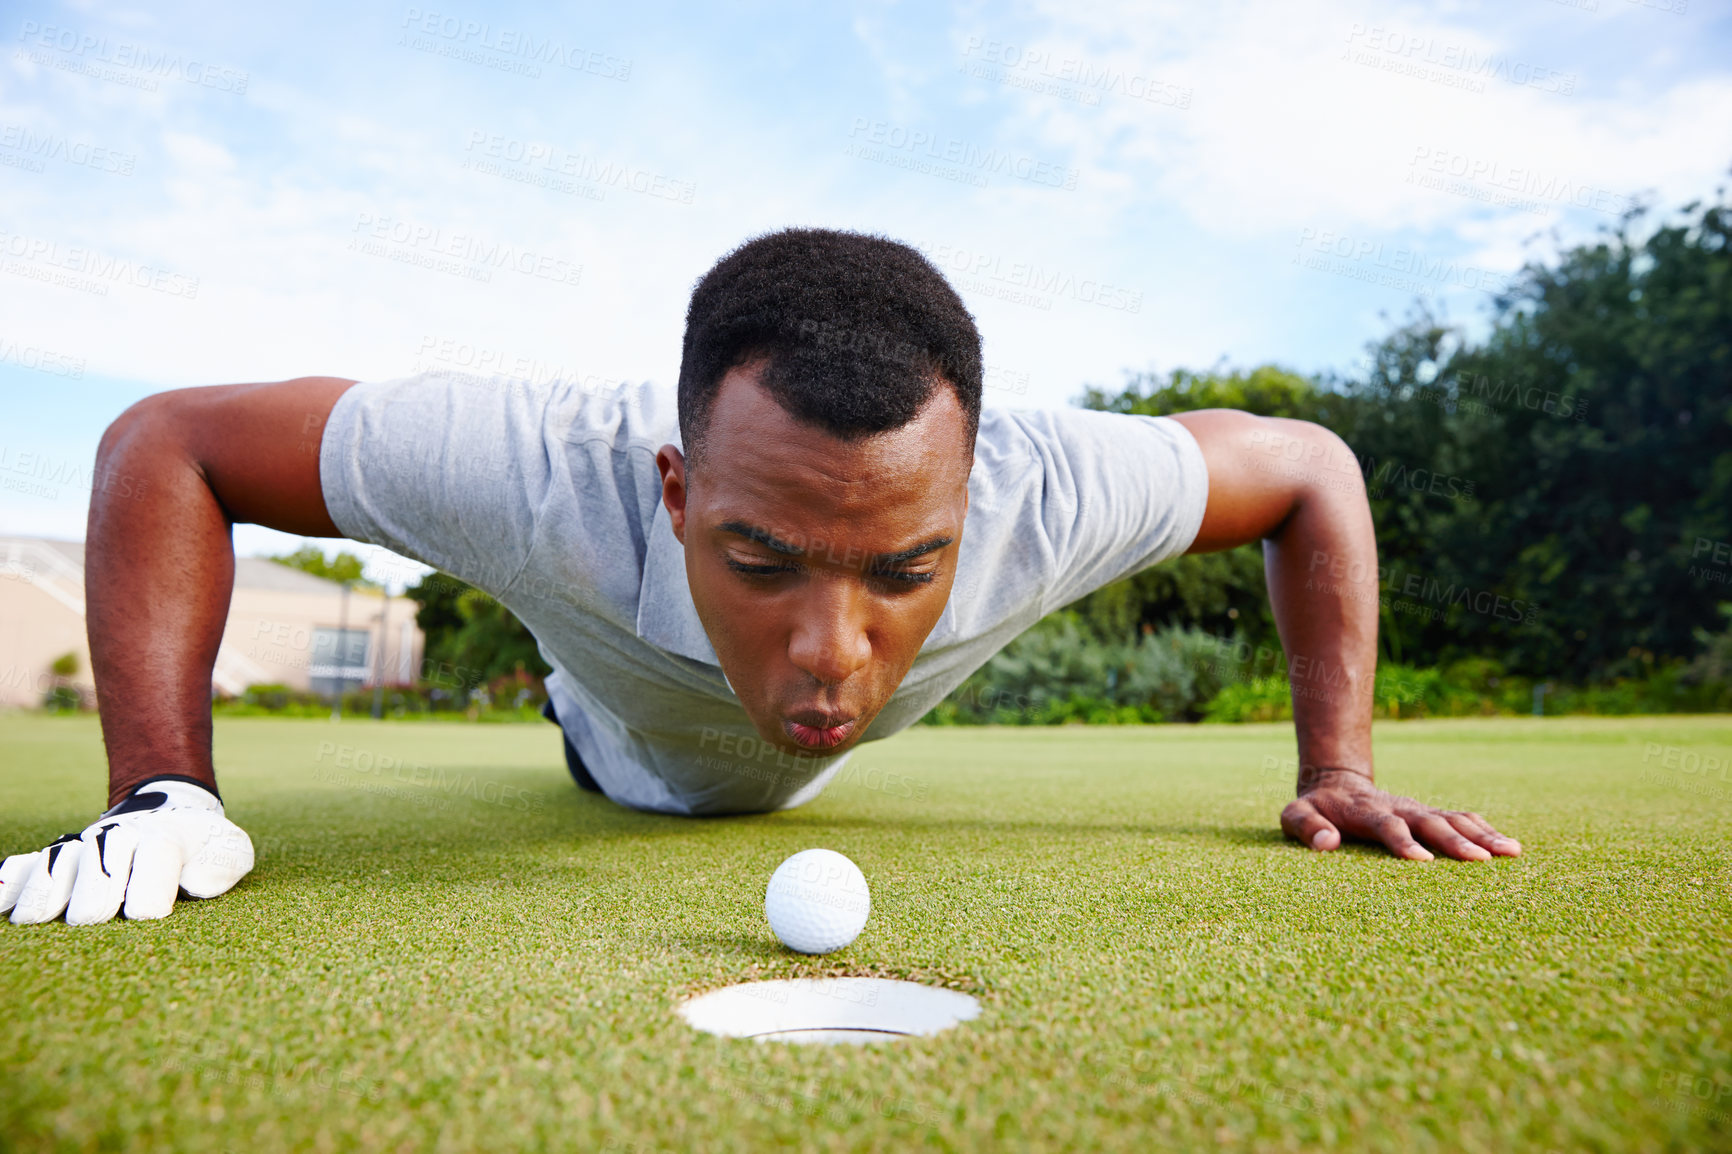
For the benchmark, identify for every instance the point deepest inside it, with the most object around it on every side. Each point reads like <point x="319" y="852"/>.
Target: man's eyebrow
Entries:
<point x="763" y="537"/>
<point x="776" y="545"/>
<point x="911" y="554"/>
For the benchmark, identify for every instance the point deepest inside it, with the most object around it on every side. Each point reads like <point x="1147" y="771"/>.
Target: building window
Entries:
<point x="340" y="662"/>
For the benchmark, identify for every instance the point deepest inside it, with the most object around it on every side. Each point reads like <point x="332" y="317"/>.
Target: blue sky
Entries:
<point x="201" y="194"/>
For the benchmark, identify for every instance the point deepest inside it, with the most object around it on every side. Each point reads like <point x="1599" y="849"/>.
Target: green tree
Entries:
<point x="345" y="567"/>
<point x="62" y="694"/>
<point x="1603" y="515"/>
<point x="471" y="638"/>
<point x="1267" y="391"/>
<point x="1595" y="426"/>
<point x="1576" y="462"/>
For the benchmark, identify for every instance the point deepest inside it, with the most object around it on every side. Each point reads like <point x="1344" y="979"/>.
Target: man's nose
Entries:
<point x="830" y="640"/>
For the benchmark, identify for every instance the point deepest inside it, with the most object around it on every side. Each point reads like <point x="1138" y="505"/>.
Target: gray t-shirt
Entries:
<point x="547" y="497"/>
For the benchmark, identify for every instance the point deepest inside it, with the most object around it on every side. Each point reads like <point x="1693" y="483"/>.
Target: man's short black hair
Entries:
<point x="858" y="330"/>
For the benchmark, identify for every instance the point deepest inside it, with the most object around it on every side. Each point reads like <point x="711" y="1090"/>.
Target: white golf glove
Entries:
<point x="169" y="834"/>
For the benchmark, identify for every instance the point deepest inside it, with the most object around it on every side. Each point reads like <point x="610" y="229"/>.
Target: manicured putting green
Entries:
<point x="446" y="946"/>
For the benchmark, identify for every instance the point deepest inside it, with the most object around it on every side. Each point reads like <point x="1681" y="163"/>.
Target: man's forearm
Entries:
<point x="1321" y="567"/>
<point x="159" y="569"/>
<point x="1296" y="487"/>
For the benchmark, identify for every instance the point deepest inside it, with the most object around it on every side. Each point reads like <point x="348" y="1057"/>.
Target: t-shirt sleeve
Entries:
<point x="450" y="471"/>
<point x="1120" y="493"/>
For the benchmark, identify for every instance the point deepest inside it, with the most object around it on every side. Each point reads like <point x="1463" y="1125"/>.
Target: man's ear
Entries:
<point x="671" y="463"/>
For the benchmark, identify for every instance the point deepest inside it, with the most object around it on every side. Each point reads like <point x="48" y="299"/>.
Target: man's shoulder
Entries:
<point x="1063" y="500"/>
<point x="624" y="415"/>
<point x="464" y="468"/>
<point x="572" y="409"/>
<point x="1029" y="452"/>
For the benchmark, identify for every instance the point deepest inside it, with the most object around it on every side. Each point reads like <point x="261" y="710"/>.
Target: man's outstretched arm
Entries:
<point x="159" y="570"/>
<point x="174" y="473"/>
<point x="1296" y="487"/>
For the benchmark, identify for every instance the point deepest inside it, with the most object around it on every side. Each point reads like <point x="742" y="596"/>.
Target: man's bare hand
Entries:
<point x="1339" y="803"/>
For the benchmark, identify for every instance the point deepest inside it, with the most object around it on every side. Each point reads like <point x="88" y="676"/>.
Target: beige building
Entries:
<point x="285" y="627"/>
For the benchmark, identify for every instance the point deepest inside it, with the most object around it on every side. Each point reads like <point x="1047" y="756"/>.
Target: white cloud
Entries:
<point x="1289" y="127"/>
<point x="264" y="199"/>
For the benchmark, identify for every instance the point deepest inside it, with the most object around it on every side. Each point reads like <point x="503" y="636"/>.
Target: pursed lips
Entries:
<point x="814" y="729"/>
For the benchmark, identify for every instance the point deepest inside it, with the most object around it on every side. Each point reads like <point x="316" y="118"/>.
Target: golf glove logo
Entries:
<point x="167" y="835"/>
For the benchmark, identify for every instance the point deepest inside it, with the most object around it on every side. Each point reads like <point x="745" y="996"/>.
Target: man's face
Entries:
<point x="818" y="566"/>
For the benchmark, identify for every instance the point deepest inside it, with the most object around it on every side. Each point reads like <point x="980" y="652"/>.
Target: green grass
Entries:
<point x="1157" y="967"/>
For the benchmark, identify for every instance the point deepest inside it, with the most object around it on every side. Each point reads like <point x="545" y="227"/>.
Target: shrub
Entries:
<point x="62" y="696"/>
<point x="1057" y="673"/>
<point x="514" y="697"/>
<point x="63" y="699"/>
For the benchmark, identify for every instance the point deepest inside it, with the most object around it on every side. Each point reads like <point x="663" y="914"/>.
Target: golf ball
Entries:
<point x="817" y="901"/>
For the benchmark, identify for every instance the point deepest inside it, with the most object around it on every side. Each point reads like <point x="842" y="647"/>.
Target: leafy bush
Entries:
<point x="1478" y="687"/>
<point x="1710" y="674"/>
<point x="64" y="699"/>
<point x="1664" y="690"/>
<point x="1259" y="699"/>
<point x="515" y="697"/>
<point x="1058" y="673"/>
<point x="62" y="696"/>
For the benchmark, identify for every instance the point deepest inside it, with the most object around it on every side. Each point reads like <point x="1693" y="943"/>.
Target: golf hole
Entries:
<point x="828" y="1010"/>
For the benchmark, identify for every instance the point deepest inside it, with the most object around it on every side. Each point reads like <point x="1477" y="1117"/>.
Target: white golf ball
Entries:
<point x="817" y="901"/>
